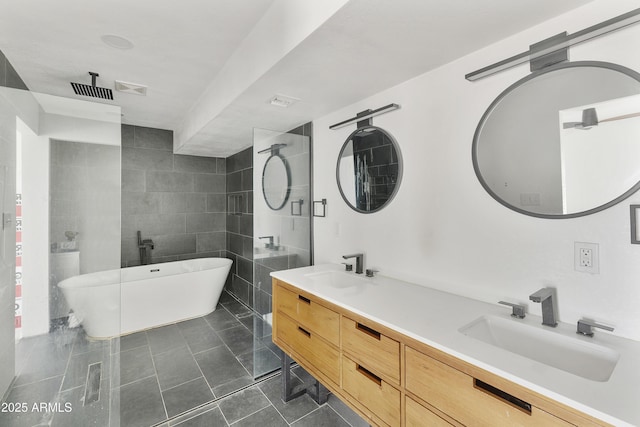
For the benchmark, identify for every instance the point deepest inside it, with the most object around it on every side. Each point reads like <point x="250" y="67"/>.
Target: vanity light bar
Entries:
<point x="381" y="110"/>
<point x="613" y="24"/>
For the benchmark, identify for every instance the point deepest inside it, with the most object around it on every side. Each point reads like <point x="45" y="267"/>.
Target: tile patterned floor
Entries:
<point x="192" y="373"/>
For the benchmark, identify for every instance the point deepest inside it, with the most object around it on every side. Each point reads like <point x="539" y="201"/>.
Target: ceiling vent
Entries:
<point x="131" y="88"/>
<point x="283" y="101"/>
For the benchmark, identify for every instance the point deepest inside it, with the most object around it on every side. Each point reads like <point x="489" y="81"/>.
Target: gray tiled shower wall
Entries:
<point x="250" y="280"/>
<point x="178" y="201"/>
<point x="240" y="224"/>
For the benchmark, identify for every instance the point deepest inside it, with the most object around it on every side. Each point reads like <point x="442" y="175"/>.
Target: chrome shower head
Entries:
<point x="93" y="90"/>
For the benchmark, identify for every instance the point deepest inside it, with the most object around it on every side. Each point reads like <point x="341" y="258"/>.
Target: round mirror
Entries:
<point x="563" y="142"/>
<point x="369" y="169"/>
<point x="276" y="182"/>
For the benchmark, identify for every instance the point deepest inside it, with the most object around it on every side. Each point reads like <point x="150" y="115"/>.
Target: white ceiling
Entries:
<point x="210" y="70"/>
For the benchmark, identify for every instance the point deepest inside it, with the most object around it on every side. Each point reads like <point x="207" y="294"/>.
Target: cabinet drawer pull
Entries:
<point x="367" y="330"/>
<point x="367" y="373"/>
<point x="303" y="299"/>
<point x="502" y="395"/>
<point x="304" y="331"/>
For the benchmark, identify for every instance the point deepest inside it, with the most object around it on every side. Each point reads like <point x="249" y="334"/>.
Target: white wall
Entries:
<point x="443" y="230"/>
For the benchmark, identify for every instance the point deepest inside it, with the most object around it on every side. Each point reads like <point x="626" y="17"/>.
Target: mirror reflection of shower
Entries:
<point x="276" y="178"/>
<point x="145" y="246"/>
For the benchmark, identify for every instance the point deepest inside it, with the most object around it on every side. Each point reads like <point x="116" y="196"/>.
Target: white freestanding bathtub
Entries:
<point x="117" y="302"/>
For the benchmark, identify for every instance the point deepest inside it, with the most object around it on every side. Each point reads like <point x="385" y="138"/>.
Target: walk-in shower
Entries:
<point x="281" y="225"/>
<point x="61" y="189"/>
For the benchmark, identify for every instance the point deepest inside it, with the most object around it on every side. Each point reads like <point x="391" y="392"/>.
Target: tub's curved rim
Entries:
<point x="118" y="276"/>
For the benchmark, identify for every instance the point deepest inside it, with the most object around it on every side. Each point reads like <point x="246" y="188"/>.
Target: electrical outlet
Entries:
<point x="586" y="257"/>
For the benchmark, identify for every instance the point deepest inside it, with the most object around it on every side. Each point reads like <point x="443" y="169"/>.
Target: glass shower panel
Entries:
<point x="67" y="223"/>
<point x="282" y="225"/>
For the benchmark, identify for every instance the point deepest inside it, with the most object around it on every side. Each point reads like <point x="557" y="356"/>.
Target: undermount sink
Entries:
<point x="550" y="347"/>
<point x="338" y="279"/>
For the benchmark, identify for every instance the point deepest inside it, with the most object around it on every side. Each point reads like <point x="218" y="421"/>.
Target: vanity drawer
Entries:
<point x="417" y="416"/>
<point x="467" y="400"/>
<point x="379" y="353"/>
<point x="312" y="316"/>
<point x="309" y="346"/>
<point x="373" y="392"/>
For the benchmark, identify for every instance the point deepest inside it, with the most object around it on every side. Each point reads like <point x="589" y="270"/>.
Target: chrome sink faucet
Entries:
<point x="359" y="261"/>
<point x="269" y="245"/>
<point x="546" y="296"/>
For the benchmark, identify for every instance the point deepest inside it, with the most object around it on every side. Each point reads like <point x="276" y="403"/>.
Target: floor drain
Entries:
<point x="92" y="387"/>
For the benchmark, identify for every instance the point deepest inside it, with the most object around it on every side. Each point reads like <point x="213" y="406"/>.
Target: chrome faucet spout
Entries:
<point x="546" y="296"/>
<point x="359" y="261"/>
<point x="269" y="245"/>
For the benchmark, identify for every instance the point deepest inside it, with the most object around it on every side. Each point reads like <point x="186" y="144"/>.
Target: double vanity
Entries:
<point x="403" y="354"/>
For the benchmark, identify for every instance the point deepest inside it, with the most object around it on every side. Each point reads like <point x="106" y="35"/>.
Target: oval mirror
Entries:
<point x="276" y="182"/>
<point x="563" y="142"/>
<point x="369" y="169"/>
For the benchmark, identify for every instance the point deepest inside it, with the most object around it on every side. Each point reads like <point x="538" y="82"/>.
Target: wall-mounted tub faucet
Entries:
<point x="359" y="261"/>
<point x="145" y="246"/>
<point x="546" y="296"/>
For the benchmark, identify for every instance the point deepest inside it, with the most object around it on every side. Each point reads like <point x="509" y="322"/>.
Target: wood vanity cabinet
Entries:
<point x="394" y="380"/>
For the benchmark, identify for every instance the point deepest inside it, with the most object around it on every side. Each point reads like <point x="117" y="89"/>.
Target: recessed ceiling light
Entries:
<point x="116" y="41"/>
<point x="283" y="101"/>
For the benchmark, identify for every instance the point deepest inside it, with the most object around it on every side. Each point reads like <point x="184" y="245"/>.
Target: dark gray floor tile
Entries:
<point x="221" y="319"/>
<point x="233" y="385"/>
<point x="292" y="410"/>
<point x="242" y="404"/>
<point x="175" y="367"/>
<point x="264" y="360"/>
<point x="131" y="341"/>
<point x="345" y="412"/>
<point x="138" y="404"/>
<point x="44" y="362"/>
<point x="82" y="344"/>
<point x="24" y="347"/>
<point x="94" y="414"/>
<point x="199" y="335"/>
<point x="212" y="418"/>
<point x="28" y="396"/>
<point x="265" y="417"/>
<point x="322" y="417"/>
<point x="220" y="366"/>
<point x="76" y="373"/>
<point x="186" y="396"/>
<point x="165" y="338"/>
<point x="225" y="297"/>
<point x="63" y="337"/>
<point x="132" y="365"/>
<point x="247" y="321"/>
<point x="236" y="308"/>
<point x="238" y="339"/>
<point x="196" y="323"/>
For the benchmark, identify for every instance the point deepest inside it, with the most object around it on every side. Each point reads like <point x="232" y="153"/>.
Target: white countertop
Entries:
<point x="434" y="317"/>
